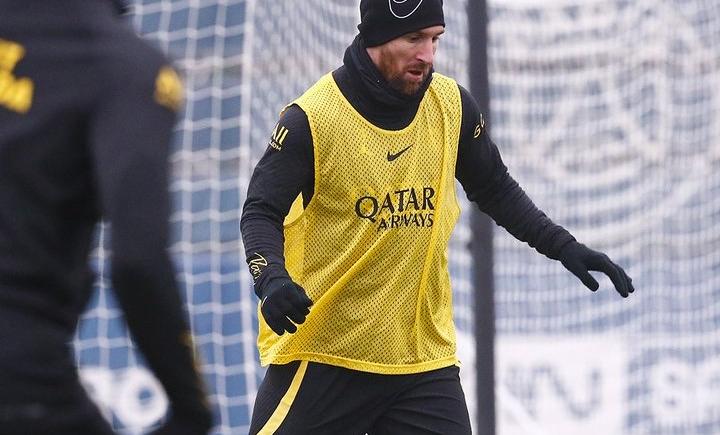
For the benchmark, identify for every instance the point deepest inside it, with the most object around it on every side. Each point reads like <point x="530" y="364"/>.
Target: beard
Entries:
<point x="406" y="86"/>
<point x="398" y="79"/>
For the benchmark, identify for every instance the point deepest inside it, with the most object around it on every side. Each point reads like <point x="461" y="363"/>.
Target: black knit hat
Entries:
<point x="383" y="20"/>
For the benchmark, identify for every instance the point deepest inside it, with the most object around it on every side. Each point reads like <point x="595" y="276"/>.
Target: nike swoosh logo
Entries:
<point x="400" y="2"/>
<point x="392" y="157"/>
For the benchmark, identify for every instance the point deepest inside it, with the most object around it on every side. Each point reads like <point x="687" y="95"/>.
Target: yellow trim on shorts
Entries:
<point x="283" y="408"/>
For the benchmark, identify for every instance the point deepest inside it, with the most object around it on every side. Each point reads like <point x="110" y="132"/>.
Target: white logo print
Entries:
<point x="399" y="2"/>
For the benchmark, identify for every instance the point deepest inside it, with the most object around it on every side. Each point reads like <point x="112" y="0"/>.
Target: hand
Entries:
<point x="283" y="303"/>
<point x="579" y="259"/>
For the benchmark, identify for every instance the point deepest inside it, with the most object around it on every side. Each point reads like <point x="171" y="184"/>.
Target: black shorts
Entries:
<point x="311" y="398"/>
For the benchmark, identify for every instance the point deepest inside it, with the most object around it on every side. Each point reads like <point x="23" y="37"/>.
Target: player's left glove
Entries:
<point x="579" y="259"/>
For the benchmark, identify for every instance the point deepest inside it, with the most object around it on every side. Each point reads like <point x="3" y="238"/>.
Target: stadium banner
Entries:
<point x="604" y="384"/>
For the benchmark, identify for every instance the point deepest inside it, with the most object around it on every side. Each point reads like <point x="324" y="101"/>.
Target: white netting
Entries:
<point x="241" y="61"/>
<point x="608" y="113"/>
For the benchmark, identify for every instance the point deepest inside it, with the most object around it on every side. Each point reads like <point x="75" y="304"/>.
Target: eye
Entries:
<point x="413" y="37"/>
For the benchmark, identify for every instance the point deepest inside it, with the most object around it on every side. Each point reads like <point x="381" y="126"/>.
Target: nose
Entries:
<point x="426" y="52"/>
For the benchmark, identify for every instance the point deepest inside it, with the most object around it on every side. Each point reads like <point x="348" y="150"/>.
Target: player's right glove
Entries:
<point x="284" y="305"/>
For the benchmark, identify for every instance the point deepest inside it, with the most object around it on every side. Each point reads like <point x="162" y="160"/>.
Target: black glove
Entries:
<point x="284" y="302"/>
<point x="579" y="259"/>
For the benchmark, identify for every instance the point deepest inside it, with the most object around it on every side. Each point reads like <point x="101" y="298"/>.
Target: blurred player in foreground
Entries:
<point x="86" y="115"/>
<point x="368" y="158"/>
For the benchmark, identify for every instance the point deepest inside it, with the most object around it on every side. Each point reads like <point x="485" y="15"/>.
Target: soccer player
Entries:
<point x="346" y="226"/>
<point x="86" y="116"/>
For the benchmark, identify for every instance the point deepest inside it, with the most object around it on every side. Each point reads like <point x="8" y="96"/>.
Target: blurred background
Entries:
<point x="607" y="112"/>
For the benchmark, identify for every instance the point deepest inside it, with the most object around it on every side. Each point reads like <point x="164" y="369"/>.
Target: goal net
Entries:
<point x="241" y="61"/>
<point x="608" y="114"/>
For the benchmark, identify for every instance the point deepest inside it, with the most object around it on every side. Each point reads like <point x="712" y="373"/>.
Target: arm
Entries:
<point x="130" y="137"/>
<point x="284" y="171"/>
<point x="487" y="183"/>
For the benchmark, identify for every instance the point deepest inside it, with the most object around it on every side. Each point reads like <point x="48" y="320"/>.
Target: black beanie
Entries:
<point x="383" y="20"/>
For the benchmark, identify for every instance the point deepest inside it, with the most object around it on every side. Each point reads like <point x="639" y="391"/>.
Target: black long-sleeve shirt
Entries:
<point x="281" y="175"/>
<point x="86" y="116"/>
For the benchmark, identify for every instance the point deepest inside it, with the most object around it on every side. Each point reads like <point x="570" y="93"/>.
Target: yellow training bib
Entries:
<point x="371" y="246"/>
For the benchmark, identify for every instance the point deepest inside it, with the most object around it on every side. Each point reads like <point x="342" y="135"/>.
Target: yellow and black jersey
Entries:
<point x="370" y="246"/>
<point x="87" y="111"/>
<point x="352" y="199"/>
<point x="74" y="82"/>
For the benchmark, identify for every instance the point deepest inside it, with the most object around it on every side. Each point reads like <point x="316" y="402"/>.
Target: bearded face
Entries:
<point x="405" y="62"/>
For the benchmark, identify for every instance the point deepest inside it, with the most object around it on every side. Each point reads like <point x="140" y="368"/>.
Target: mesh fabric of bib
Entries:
<point x="370" y="249"/>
